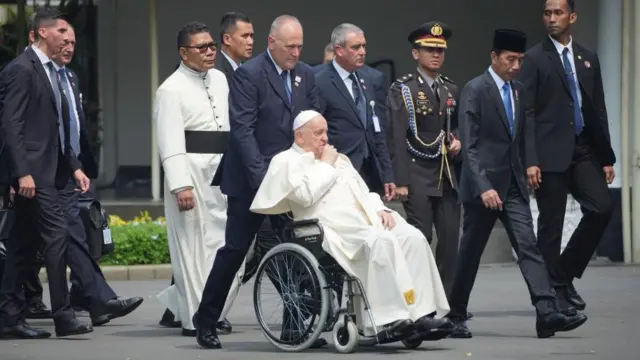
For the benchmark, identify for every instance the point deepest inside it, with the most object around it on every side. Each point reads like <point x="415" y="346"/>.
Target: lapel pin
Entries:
<point x="296" y="84"/>
<point x="361" y="81"/>
<point x="587" y="64"/>
<point x="298" y="79"/>
<point x="579" y="57"/>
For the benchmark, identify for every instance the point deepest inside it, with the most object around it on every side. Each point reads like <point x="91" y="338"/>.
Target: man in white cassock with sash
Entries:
<point x="192" y="117"/>
<point x="368" y="240"/>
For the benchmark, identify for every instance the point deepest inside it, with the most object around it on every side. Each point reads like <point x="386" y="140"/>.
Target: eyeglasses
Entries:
<point x="202" y="48"/>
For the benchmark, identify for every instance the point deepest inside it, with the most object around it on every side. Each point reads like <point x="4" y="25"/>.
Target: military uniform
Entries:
<point x="418" y="108"/>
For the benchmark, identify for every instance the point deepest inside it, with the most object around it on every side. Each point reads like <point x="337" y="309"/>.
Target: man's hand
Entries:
<point x="329" y="154"/>
<point x="491" y="200"/>
<point x="389" y="191"/>
<point x="534" y="177"/>
<point x="185" y="200"/>
<point x="609" y="174"/>
<point x="402" y="193"/>
<point x="454" y="145"/>
<point x="82" y="180"/>
<point x="387" y="219"/>
<point x="26" y="187"/>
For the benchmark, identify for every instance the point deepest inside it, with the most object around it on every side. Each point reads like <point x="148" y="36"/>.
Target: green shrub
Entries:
<point x="142" y="241"/>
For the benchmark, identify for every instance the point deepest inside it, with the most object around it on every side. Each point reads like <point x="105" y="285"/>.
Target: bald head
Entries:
<point x="285" y="41"/>
<point x="312" y="136"/>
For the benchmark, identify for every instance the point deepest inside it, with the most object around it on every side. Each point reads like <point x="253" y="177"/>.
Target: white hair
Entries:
<point x="340" y="32"/>
<point x="280" y="21"/>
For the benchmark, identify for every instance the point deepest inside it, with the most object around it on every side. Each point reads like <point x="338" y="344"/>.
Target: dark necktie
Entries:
<point x="506" y="100"/>
<point x="63" y="119"/>
<point x="287" y="83"/>
<point x="359" y="99"/>
<point x="573" y="87"/>
<point x="73" y="119"/>
<point x="434" y="87"/>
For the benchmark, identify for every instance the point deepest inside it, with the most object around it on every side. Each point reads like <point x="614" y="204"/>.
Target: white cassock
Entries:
<point x="396" y="267"/>
<point x="188" y="100"/>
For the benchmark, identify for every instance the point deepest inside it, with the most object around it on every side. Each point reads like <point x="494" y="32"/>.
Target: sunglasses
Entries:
<point x="202" y="48"/>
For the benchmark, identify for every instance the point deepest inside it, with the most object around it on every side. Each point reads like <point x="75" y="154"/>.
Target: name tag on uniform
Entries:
<point x="374" y="118"/>
<point x="376" y="123"/>
<point x="106" y="236"/>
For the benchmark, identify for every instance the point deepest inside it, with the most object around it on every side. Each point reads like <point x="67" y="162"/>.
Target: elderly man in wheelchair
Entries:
<point x="342" y="234"/>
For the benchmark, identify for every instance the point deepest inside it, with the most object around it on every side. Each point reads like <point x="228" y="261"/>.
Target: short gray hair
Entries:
<point x="340" y="32"/>
<point x="282" y="20"/>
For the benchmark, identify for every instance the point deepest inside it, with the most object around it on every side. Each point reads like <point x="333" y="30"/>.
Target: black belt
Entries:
<point x="206" y="142"/>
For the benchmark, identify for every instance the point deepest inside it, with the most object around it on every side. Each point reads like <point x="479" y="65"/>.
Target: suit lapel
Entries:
<point x="556" y="62"/>
<point x="582" y="66"/>
<point x="295" y="85"/>
<point x="494" y="94"/>
<point x="517" y="121"/>
<point x="276" y="81"/>
<point x="342" y="89"/>
<point x="39" y="67"/>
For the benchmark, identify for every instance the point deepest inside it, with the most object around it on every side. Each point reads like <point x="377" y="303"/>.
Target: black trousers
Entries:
<point x="44" y="217"/>
<point x="241" y="228"/>
<point x="478" y="222"/>
<point x="424" y="212"/>
<point x="586" y="182"/>
<point x="32" y="285"/>
<point x="88" y="285"/>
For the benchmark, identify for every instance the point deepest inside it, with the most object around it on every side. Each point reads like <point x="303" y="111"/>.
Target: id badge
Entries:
<point x="376" y="124"/>
<point x="106" y="236"/>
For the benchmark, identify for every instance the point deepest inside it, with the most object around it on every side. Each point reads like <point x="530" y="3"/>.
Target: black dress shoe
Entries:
<point x="548" y="325"/>
<point x="37" y="311"/>
<point x="399" y="327"/>
<point x="564" y="305"/>
<point x="169" y="320"/>
<point x="224" y="326"/>
<point x="114" y="309"/>
<point x="206" y="336"/>
<point x="431" y="329"/>
<point x="22" y="330"/>
<point x="189" y="333"/>
<point x="574" y="298"/>
<point x="70" y="327"/>
<point x="460" y="330"/>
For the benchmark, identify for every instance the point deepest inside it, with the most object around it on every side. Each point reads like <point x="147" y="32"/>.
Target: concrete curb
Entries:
<point x="126" y="273"/>
<point x="163" y="271"/>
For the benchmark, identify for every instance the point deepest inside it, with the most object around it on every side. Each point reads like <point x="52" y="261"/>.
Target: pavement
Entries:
<point x="503" y="327"/>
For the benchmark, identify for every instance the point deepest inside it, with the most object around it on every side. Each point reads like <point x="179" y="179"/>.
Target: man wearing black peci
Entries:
<point x="34" y="124"/>
<point x="493" y="186"/>
<point x="572" y="149"/>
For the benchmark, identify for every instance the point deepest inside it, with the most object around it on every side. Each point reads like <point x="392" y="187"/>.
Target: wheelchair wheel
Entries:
<point x="345" y="335"/>
<point x="290" y="275"/>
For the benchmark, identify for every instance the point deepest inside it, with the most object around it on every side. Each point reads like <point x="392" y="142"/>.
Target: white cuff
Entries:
<point x="176" y="172"/>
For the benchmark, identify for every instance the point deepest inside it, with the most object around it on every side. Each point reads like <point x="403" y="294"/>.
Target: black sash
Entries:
<point x="206" y="142"/>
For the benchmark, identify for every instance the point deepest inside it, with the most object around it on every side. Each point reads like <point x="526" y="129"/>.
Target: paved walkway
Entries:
<point x="503" y="328"/>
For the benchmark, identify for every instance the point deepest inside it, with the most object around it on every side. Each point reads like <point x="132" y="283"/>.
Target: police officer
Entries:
<point x="422" y="123"/>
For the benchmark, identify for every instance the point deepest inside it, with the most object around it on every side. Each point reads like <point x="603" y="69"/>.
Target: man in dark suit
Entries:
<point x="266" y="93"/>
<point x="34" y="123"/>
<point x="493" y="186"/>
<point x="572" y="149"/>
<point x="353" y="111"/>
<point x="89" y="289"/>
<point x="236" y="42"/>
<point x="423" y="121"/>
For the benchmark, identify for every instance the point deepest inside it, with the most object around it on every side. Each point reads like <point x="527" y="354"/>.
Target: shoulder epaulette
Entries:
<point x="405" y="78"/>
<point x="444" y="78"/>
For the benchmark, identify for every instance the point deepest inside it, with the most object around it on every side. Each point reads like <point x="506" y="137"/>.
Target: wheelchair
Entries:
<point x="305" y="279"/>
